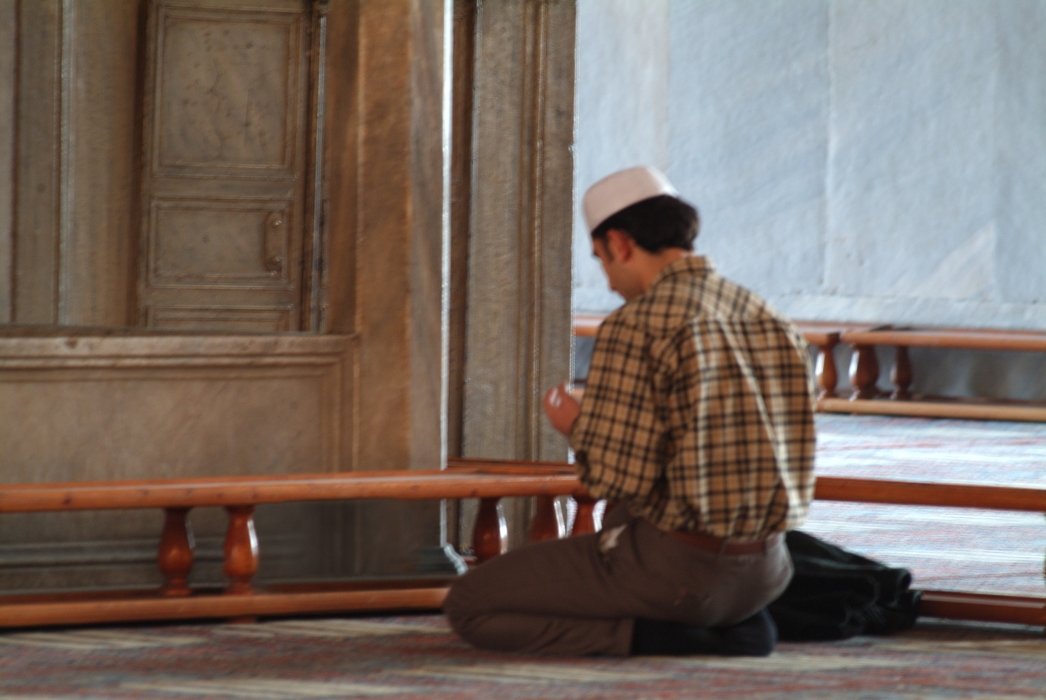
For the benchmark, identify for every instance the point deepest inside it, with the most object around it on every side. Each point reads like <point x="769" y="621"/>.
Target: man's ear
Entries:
<point x="620" y="244"/>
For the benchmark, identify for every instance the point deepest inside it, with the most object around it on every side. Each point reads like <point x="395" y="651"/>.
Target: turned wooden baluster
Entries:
<point x="585" y="518"/>
<point x="547" y="523"/>
<point x="241" y="549"/>
<point x="864" y="372"/>
<point x="901" y="374"/>
<point x="826" y="372"/>
<point x="490" y="533"/>
<point x="176" y="552"/>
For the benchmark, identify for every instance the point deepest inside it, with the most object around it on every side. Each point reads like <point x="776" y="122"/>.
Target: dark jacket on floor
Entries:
<point x="837" y="594"/>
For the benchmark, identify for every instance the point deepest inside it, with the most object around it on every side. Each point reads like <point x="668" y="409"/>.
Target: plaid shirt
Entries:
<point x="698" y="409"/>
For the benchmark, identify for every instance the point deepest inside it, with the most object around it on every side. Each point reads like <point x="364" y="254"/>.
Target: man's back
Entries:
<point x="698" y="409"/>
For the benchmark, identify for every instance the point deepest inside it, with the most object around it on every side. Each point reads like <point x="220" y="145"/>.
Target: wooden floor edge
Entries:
<point x="952" y="605"/>
<point x="933" y="409"/>
<point x="1030" y="499"/>
<point x="82" y="612"/>
<point x="981" y="607"/>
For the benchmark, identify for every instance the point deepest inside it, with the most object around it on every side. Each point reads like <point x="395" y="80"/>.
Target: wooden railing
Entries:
<point x="239" y="496"/>
<point x="866" y="398"/>
<point x="864" y="374"/>
<point x="960" y="605"/>
<point x="483" y="479"/>
<point x="488" y="532"/>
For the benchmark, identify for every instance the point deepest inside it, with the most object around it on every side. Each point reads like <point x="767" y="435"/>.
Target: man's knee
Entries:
<point x="466" y="618"/>
<point x="456" y="605"/>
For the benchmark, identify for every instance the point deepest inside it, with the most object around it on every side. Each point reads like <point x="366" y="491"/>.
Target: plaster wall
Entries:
<point x="864" y="160"/>
<point x="622" y="107"/>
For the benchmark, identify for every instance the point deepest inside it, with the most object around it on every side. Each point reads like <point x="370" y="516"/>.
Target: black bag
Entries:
<point x="837" y="594"/>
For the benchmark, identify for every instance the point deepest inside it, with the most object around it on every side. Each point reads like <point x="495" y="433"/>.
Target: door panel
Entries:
<point x="227" y="92"/>
<point x="220" y="243"/>
<point x="224" y="186"/>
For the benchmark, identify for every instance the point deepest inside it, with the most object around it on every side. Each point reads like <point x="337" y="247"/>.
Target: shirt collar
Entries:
<point x="696" y="265"/>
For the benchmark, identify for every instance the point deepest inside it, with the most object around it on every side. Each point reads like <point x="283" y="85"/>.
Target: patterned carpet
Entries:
<point x="926" y="449"/>
<point x="418" y="657"/>
<point x="946" y="548"/>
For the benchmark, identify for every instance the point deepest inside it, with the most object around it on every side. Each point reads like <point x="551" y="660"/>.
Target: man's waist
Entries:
<point x="721" y="545"/>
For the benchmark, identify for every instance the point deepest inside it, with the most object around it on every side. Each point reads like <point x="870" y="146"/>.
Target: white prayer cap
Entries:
<point x="623" y="189"/>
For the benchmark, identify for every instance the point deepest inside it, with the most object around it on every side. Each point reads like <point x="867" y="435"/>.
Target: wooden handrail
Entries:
<point x="823" y="335"/>
<point x="1025" y="341"/>
<point x="586" y="325"/>
<point x="253" y="490"/>
<point x="916" y="493"/>
<point x="815" y="332"/>
<point x="834" y="488"/>
<point x="968" y="410"/>
<point x="474" y="465"/>
<point x="983" y="607"/>
<point x="138" y="608"/>
<point x="864" y="367"/>
<point x="818" y="333"/>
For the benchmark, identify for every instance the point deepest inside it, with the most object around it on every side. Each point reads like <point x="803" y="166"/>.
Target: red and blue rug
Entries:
<point x="419" y="658"/>
<point x="946" y="548"/>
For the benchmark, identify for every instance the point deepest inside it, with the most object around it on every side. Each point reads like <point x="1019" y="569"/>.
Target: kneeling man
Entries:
<point x="697" y="426"/>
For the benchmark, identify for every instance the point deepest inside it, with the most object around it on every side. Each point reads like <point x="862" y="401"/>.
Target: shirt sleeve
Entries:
<point x="618" y="434"/>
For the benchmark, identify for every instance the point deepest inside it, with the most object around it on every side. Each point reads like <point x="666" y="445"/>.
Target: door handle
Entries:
<point x="274" y="237"/>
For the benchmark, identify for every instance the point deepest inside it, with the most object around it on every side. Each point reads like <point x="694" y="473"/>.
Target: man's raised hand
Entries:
<point x="561" y="408"/>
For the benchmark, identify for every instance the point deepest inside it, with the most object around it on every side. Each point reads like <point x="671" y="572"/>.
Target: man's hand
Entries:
<point x="561" y="408"/>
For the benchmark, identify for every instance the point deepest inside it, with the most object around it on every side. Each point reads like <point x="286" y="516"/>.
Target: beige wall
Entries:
<point x="7" y="146"/>
<point x="94" y="405"/>
<point x="370" y="392"/>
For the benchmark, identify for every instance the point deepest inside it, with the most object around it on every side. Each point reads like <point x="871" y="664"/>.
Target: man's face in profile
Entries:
<point x="618" y="266"/>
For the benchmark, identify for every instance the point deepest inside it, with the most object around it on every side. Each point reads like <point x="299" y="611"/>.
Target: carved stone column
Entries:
<point x="519" y="281"/>
<point x="386" y="260"/>
<point x="67" y="141"/>
<point x="8" y="119"/>
<point x="386" y="220"/>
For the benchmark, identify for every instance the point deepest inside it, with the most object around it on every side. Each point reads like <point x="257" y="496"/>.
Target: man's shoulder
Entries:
<point x="681" y="299"/>
<point x="734" y="305"/>
<point x="694" y="294"/>
<point x="716" y="298"/>
<point x="654" y="314"/>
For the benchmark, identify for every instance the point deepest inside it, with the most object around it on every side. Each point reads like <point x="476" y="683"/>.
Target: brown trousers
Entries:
<point x="581" y="595"/>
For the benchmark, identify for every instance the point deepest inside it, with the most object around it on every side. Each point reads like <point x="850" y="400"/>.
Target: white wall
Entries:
<point x="622" y="108"/>
<point x="873" y="160"/>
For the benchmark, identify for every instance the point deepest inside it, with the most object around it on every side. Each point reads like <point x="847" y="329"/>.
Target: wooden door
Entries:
<point x="226" y="198"/>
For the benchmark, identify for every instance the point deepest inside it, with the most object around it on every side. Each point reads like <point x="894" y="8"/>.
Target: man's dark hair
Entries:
<point x="655" y="224"/>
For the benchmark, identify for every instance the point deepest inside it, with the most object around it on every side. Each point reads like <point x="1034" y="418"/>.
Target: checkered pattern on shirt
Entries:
<point x="698" y="409"/>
